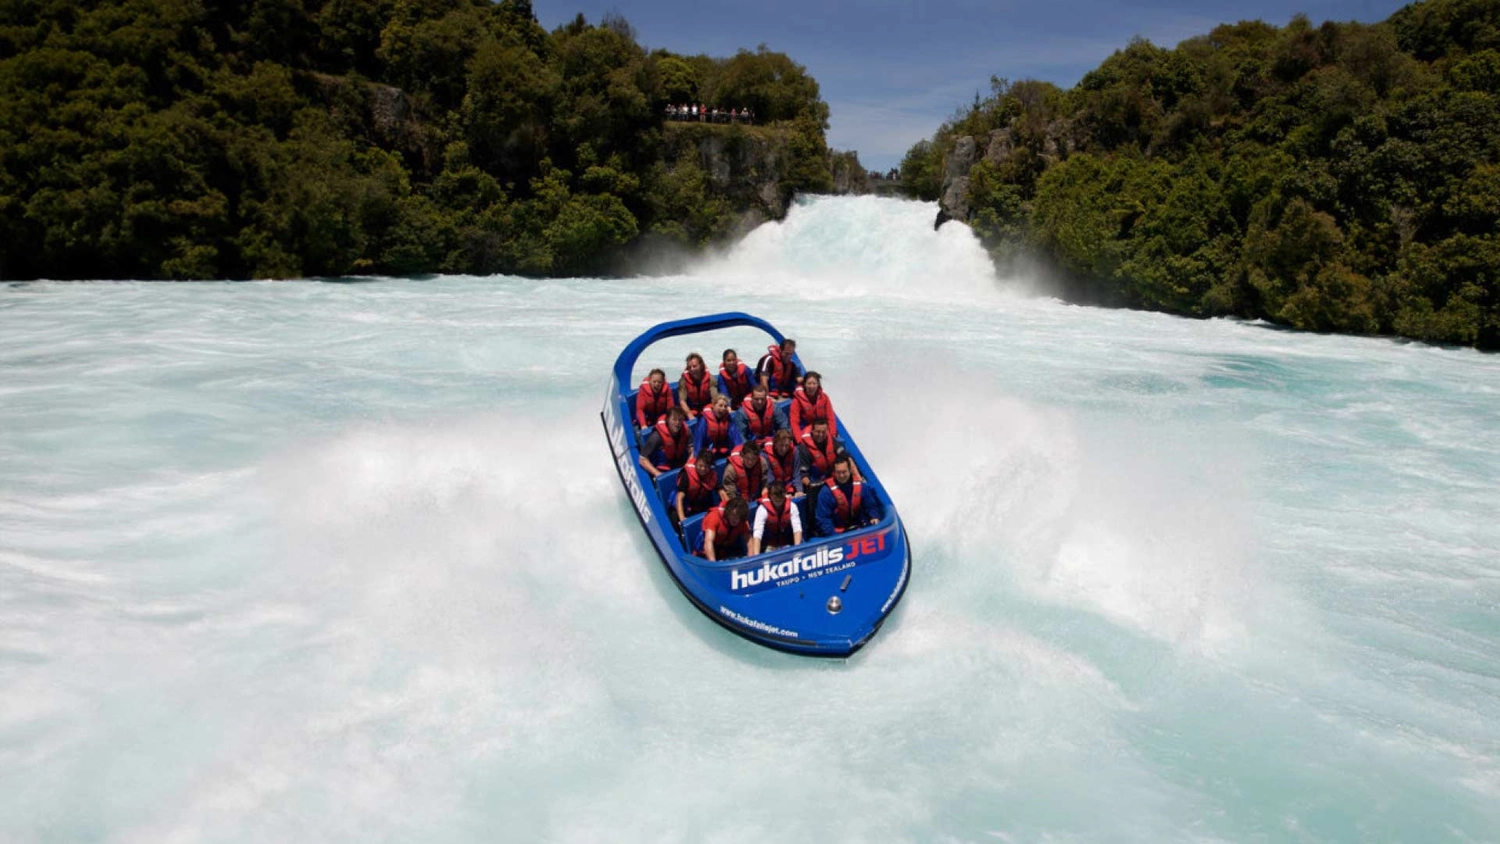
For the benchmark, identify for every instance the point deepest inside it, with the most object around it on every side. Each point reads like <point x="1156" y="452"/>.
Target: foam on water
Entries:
<point x="350" y="562"/>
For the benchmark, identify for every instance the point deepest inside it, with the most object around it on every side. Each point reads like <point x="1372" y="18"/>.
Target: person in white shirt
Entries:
<point x="778" y="522"/>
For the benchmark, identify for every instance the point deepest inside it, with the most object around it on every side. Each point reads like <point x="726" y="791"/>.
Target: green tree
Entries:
<point x="922" y="171"/>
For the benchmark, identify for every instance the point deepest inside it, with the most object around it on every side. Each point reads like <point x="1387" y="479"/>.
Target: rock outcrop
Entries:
<point x="1053" y="143"/>
<point x="849" y="176"/>
<point x="746" y="166"/>
<point x="954" y="201"/>
<point x="382" y="114"/>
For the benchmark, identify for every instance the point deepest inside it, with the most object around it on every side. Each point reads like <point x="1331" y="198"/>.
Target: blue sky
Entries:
<point x="891" y="71"/>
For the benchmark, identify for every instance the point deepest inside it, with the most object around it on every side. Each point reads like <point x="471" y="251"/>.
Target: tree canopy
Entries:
<point x="1334" y="177"/>
<point x="283" y="138"/>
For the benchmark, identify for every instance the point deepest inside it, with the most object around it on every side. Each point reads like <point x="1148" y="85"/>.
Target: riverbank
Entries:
<point x="1335" y="177"/>
<point x="190" y="143"/>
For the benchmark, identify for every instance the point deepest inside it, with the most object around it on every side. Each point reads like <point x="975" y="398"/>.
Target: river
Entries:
<point x="348" y="561"/>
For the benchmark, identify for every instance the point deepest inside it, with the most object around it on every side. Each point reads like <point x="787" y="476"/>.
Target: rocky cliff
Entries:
<point x="1052" y="144"/>
<point x="849" y="176"/>
<point x="747" y="166"/>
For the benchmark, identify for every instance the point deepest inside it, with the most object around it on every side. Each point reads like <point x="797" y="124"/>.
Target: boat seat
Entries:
<point x="692" y="532"/>
<point x="666" y="487"/>
<point x="806" y="510"/>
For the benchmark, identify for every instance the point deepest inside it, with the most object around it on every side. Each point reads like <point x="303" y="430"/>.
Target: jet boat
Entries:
<point x="824" y="597"/>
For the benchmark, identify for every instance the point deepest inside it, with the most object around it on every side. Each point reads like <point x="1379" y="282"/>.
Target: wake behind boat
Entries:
<point x="825" y="597"/>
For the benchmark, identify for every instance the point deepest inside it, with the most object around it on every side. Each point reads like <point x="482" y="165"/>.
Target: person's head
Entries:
<point x="812" y="382"/>
<point x="759" y="395"/>
<point x="777" y="493"/>
<point x="782" y="442"/>
<point x="842" y="469"/>
<point x="788" y="346"/>
<point x="704" y="460"/>
<point x="657" y="378"/>
<point x="721" y="405"/>
<point x="695" y="363"/>
<point x="731" y="358"/>
<point x="750" y="454"/>
<point x="676" y="417"/>
<point x="820" y="431"/>
<point x="736" y="511"/>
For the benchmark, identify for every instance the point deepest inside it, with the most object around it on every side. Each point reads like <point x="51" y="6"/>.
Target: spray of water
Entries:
<point x="330" y="562"/>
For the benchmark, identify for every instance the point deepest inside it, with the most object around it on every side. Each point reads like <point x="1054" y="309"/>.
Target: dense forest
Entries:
<point x="285" y="138"/>
<point x="1335" y="177"/>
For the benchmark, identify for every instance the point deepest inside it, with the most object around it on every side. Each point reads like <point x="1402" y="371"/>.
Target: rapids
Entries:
<point x="328" y="561"/>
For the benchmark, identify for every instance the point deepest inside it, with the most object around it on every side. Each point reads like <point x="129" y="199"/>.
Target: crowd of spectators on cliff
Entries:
<point x="699" y="113"/>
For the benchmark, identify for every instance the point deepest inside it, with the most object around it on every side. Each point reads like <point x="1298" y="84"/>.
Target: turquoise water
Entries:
<point x="349" y="562"/>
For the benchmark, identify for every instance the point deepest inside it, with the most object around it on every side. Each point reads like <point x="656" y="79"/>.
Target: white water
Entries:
<point x="349" y="562"/>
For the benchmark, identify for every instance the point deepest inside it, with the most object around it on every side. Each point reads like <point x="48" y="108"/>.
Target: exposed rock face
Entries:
<point x="1000" y="148"/>
<point x="849" y="176"/>
<point x="955" y="198"/>
<point x="744" y="167"/>
<point x="726" y="162"/>
<point x="1053" y="144"/>
<point x="384" y="115"/>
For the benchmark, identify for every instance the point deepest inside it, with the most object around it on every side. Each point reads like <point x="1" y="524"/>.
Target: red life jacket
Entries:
<point x="726" y="539"/>
<point x="806" y="411"/>
<point x="778" y="527"/>
<point x="761" y="424"/>
<point x="717" y="433"/>
<point x="750" y="484"/>
<point x="822" y="459"/>
<point x="701" y="489"/>
<point x="738" y="383"/>
<point x="698" y="394"/>
<point x="844" y="507"/>
<point x="778" y="370"/>
<point x="781" y="470"/>
<point x="674" y="449"/>
<point x="650" y="405"/>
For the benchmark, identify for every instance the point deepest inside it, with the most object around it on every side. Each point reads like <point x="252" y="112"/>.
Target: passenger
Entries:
<point x="725" y="530"/>
<point x="718" y="435"/>
<point x="816" y="456"/>
<point x="745" y="476"/>
<point x="653" y="400"/>
<point x="810" y="404"/>
<point x="844" y="503"/>
<point x="759" y="417"/>
<point x="778" y="371"/>
<point x="695" y="390"/>
<point x="778" y="522"/>
<point x="734" y="378"/>
<point x="697" y="488"/>
<point x="780" y="458"/>
<point x="670" y="437"/>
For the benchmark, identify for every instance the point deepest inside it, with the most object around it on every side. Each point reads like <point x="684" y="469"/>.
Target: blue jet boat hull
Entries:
<point x="778" y="599"/>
